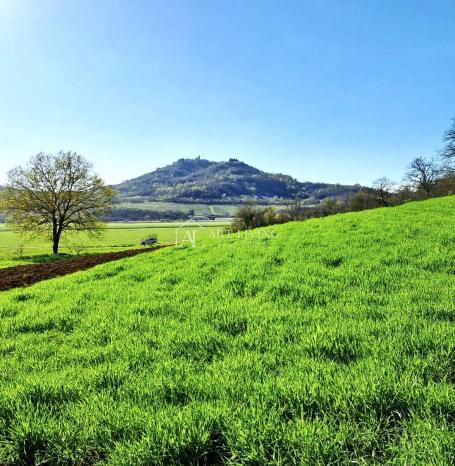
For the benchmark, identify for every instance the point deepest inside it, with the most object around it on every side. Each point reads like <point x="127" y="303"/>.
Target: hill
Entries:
<point x="199" y="180"/>
<point x="330" y="341"/>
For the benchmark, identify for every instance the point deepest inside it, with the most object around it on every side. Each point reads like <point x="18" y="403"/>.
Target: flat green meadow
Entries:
<point x="326" y="342"/>
<point x="18" y="249"/>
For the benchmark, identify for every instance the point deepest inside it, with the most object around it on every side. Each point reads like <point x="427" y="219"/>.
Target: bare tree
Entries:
<point x="331" y="206"/>
<point x="422" y="174"/>
<point x="295" y="209"/>
<point x="362" y="200"/>
<point x="383" y="187"/>
<point x="448" y="152"/>
<point x="55" y="194"/>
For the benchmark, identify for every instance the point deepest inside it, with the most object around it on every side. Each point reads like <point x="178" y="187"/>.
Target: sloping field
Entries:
<point x="328" y="342"/>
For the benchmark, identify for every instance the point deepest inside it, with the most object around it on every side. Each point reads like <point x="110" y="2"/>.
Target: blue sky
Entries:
<point x="325" y="90"/>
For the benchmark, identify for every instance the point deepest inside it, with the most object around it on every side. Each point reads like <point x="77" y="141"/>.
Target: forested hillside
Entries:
<point x="205" y="181"/>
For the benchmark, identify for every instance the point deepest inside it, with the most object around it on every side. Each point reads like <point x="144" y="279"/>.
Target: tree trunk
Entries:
<point x="55" y="236"/>
<point x="56" y="233"/>
<point x="56" y="240"/>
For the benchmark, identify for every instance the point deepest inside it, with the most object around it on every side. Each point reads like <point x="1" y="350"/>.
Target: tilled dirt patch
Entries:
<point x="24" y="275"/>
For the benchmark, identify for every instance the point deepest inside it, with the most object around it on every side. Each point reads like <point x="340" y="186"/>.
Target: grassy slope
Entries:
<point x="331" y="342"/>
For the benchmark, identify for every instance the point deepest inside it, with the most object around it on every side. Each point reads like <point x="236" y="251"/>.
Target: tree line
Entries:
<point x="424" y="178"/>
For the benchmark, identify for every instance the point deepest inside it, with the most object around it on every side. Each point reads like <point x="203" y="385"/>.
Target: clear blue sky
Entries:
<point x="325" y="90"/>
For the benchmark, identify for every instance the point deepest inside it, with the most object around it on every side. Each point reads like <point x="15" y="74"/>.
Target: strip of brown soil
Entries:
<point x="24" y="275"/>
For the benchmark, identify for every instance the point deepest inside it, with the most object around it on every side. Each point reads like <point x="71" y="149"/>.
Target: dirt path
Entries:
<point x="24" y="275"/>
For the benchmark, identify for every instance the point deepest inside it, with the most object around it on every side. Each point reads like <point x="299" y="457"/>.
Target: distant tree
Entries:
<point x="55" y="194"/>
<point x="448" y="152"/>
<point x="445" y="185"/>
<point x="250" y="216"/>
<point x="362" y="201"/>
<point x="405" y="193"/>
<point x="422" y="174"/>
<point x="383" y="187"/>
<point x="295" y="209"/>
<point x="331" y="206"/>
<point x="270" y="216"/>
<point x="245" y="217"/>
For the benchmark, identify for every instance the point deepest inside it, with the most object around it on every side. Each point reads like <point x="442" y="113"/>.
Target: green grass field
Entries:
<point x="17" y="250"/>
<point x="328" y="342"/>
